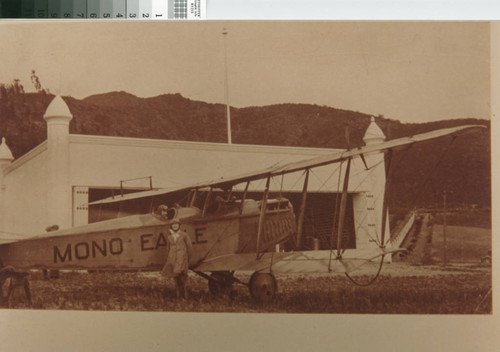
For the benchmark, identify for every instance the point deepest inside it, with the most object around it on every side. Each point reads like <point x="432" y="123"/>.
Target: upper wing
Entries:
<point x="331" y="158"/>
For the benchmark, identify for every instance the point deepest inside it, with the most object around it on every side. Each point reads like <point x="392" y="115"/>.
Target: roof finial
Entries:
<point x="373" y="134"/>
<point x="57" y="108"/>
<point x="5" y="153"/>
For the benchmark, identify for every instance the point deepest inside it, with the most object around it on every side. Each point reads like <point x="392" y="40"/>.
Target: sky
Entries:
<point x="408" y="71"/>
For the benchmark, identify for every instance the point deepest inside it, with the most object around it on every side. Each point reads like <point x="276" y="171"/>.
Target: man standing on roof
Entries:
<point x="179" y="251"/>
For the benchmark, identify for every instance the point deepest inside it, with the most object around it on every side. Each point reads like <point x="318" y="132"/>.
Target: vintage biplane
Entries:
<point x="229" y="234"/>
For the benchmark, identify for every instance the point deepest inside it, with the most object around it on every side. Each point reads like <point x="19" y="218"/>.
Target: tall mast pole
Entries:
<point x="226" y="91"/>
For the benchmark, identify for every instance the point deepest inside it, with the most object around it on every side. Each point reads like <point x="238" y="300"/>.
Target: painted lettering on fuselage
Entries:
<point x="84" y="250"/>
<point x="198" y="234"/>
<point x="276" y="229"/>
<point x="149" y="242"/>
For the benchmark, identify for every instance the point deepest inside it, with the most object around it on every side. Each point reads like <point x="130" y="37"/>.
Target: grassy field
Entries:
<point x="468" y="218"/>
<point x="464" y="244"/>
<point x="462" y="287"/>
<point x="452" y="291"/>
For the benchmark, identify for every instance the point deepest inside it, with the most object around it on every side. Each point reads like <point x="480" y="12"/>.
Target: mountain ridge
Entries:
<point x="466" y="165"/>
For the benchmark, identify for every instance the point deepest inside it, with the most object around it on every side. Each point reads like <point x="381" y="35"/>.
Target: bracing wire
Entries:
<point x="382" y="258"/>
<point x="372" y="280"/>
<point x="223" y="236"/>
<point x="323" y="183"/>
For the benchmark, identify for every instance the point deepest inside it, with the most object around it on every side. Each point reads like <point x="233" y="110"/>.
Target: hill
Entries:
<point x="463" y="167"/>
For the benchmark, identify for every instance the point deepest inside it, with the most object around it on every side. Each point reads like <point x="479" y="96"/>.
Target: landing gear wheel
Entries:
<point x="222" y="283"/>
<point x="263" y="287"/>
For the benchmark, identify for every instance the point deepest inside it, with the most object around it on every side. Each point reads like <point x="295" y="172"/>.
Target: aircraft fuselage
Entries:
<point x="140" y="241"/>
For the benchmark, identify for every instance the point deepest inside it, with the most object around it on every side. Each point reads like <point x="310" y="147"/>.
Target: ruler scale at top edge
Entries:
<point x="103" y="9"/>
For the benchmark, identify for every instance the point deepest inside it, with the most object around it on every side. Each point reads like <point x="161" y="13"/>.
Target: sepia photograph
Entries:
<point x="311" y="167"/>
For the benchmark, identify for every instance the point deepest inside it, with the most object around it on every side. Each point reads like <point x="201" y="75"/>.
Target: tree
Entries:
<point x="17" y="87"/>
<point x="36" y="82"/>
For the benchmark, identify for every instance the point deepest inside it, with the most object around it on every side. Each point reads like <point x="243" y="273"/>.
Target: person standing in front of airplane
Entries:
<point x="179" y="249"/>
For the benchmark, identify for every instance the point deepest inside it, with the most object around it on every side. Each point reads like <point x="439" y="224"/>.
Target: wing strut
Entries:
<point x="207" y="202"/>
<point x="343" y="203"/>
<point x="244" y="197"/>
<point x="192" y="199"/>
<point x="384" y="222"/>
<point x="364" y="161"/>
<point x="263" y="206"/>
<point x="300" y="222"/>
<point x="386" y="197"/>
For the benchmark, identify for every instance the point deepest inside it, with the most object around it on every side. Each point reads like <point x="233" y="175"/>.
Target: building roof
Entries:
<point x="195" y="145"/>
<point x="171" y="163"/>
<point x="26" y="158"/>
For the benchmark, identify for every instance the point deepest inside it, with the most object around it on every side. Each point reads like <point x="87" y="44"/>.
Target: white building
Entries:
<point x="53" y="182"/>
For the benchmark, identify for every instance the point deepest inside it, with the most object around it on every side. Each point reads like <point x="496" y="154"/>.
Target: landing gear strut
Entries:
<point x="16" y="279"/>
<point x="263" y="287"/>
<point x="221" y="282"/>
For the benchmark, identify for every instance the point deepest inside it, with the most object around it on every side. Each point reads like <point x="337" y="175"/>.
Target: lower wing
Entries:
<point x="323" y="261"/>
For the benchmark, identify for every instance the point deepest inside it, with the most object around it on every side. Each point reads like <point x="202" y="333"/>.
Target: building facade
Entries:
<point x="54" y="182"/>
